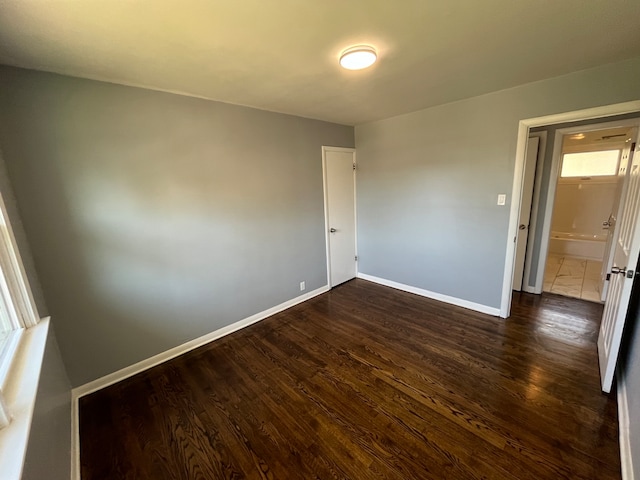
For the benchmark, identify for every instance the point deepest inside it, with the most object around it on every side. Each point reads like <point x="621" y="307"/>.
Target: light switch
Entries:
<point x="502" y="198"/>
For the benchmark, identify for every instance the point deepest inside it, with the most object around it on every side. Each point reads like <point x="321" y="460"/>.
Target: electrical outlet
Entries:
<point x="302" y="286"/>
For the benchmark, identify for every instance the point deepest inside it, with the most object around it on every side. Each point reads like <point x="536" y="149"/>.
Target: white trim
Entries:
<point x="21" y="302"/>
<point x="523" y="135"/>
<point x="585" y="114"/>
<point x="355" y="207"/>
<point x="326" y="149"/>
<point x="326" y="214"/>
<point x="595" y="180"/>
<point x="624" y="421"/>
<point x="75" y="437"/>
<point x="150" y="362"/>
<point x="20" y="396"/>
<point x="433" y="295"/>
<point x="596" y="148"/>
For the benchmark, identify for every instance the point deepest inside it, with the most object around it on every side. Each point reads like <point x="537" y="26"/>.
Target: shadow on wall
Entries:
<point x="155" y="218"/>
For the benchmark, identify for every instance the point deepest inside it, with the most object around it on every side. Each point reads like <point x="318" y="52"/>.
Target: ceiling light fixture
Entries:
<point x="358" y="57"/>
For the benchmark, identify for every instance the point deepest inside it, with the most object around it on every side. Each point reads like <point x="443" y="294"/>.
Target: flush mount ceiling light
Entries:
<point x="358" y="57"/>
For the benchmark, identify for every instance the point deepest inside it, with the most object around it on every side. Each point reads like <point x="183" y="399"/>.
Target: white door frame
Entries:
<point x="326" y="149"/>
<point x="553" y="184"/>
<point x="516" y="191"/>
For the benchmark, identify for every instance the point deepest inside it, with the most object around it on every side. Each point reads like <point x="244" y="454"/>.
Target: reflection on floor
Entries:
<point x="573" y="277"/>
<point x="367" y="382"/>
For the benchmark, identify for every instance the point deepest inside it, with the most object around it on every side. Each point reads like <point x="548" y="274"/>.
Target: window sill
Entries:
<point x="20" y="396"/>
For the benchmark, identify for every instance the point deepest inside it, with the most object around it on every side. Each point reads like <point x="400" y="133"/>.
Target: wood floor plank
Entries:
<point x="368" y="382"/>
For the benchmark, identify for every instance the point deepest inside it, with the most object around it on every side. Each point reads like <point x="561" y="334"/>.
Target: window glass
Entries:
<point x="5" y="328"/>
<point x="3" y="336"/>
<point x="17" y="310"/>
<point x="6" y="325"/>
<point x="590" y="164"/>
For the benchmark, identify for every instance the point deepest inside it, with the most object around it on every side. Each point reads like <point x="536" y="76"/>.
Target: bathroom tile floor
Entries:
<point x="573" y="277"/>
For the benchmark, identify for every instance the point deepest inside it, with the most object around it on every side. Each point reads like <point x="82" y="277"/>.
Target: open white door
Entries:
<point x="531" y="159"/>
<point x="625" y="258"/>
<point x="611" y="224"/>
<point x="340" y="213"/>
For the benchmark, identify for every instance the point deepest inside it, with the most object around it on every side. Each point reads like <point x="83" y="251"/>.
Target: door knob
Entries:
<point x="622" y="270"/>
<point x="332" y="230"/>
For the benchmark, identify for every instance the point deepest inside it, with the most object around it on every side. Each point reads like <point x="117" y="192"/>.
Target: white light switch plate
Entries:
<point x="502" y="198"/>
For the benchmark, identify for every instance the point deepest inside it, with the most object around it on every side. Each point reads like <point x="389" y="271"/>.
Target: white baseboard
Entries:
<point x="150" y="362"/>
<point x="624" y="425"/>
<point x="435" y="296"/>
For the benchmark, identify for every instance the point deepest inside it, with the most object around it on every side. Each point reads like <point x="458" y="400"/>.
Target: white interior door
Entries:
<point x="625" y="258"/>
<point x="611" y="224"/>
<point x="340" y="214"/>
<point x="531" y="159"/>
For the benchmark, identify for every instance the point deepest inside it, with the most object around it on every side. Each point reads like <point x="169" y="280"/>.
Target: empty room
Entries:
<point x="295" y="240"/>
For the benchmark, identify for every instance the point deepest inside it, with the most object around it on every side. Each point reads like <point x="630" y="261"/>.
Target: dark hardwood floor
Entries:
<point x="367" y="382"/>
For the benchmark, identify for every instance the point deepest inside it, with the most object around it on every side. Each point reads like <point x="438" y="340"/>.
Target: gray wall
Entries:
<point x="428" y="181"/>
<point x="21" y="238"/>
<point x="155" y="218"/>
<point x="49" y="450"/>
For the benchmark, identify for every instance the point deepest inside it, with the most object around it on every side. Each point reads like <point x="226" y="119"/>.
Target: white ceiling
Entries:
<point x="602" y="139"/>
<point x="282" y="55"/>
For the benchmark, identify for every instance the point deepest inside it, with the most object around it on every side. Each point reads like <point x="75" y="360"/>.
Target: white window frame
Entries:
<point x="593" y="178"/>
<point x="16" y="300"/>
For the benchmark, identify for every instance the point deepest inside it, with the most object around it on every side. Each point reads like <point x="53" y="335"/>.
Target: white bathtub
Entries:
<point x="578" y="245"/>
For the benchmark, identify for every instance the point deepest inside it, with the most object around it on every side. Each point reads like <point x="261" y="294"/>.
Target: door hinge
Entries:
<point x="356" y="258"/>
<point x="608" y="277"/>
<point x="354" y="166"/>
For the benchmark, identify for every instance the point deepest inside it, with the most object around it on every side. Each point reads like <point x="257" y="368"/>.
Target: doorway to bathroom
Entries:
<point x="625" y="223"/>
<point x="591" y="175"/>
<point x="569" y="245"/>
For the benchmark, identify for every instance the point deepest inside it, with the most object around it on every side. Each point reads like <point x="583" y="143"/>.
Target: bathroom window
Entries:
<point x="590" y="164"/>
